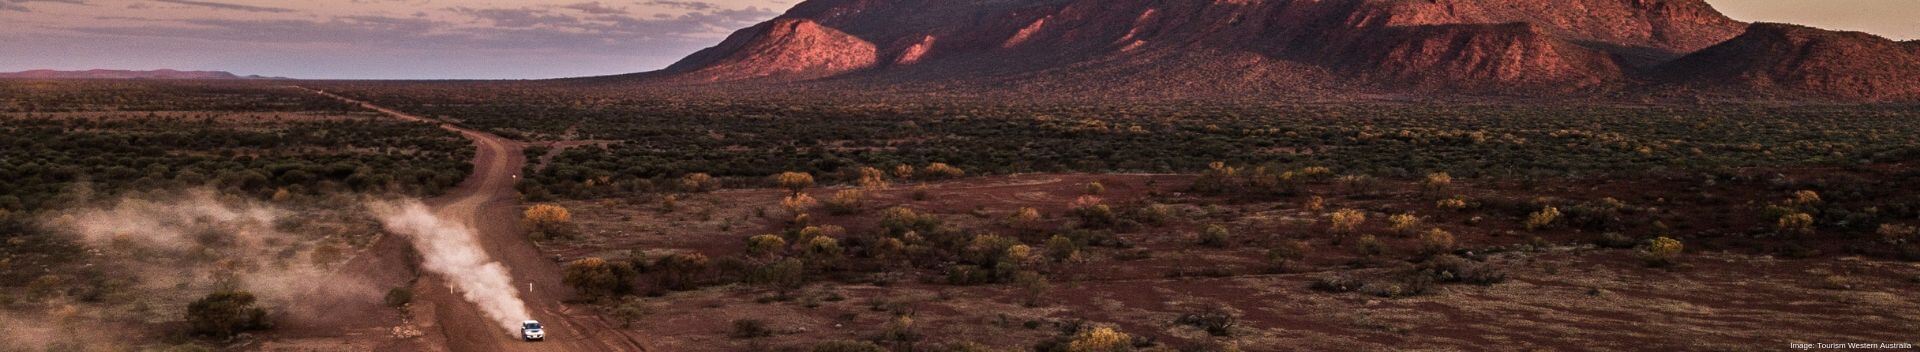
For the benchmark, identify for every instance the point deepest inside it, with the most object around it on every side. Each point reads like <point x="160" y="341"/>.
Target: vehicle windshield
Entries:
<point x="531" y="326"/>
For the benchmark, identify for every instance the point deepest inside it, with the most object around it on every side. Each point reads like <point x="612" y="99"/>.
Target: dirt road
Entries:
<point x="488" y="202"/>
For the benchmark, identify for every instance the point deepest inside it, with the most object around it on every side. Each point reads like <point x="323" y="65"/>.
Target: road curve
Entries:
<point x="488" y="202"/>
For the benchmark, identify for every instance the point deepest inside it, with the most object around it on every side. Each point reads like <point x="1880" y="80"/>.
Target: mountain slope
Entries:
<point x="1232" y="48"/>
<point x="1773" y="58"/>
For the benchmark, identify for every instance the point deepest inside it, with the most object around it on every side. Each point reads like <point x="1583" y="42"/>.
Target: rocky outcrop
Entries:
<point x="788" y="49"/>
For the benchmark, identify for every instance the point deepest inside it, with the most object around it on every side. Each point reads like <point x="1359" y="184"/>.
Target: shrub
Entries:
<point x="629" y="311"/>
<point x="793" y="181"/>
<point x="1369" y="245"/>
<point x="1095" y="188"/>
<point x="847" y="201"/>
<point x="680" y="271"/>
<point x="1061" y="248"/>
<point x="750" y="328"/>
<point x="1543" y="218"/>
<point x="1804" y="198"/>
<point x="224" y="314"/>
<point x="1101" y="339"/>
<point x="1436" y="241"/>
<point x="1092" y="213"/>
<point x="598" y="278"/>
<point x="765" y="245"/>
<point x="1795" y="223"/>
<point x="873" y="179"/>
<point x="1153" y="214"/>
<point x="1032" y="284"/>
<point x="1455" y="203"/>
<point x="1215" y="321"/>
<point x="699" y="183"/>
<point x="899" y="221"/>
<point x="1896" y="233"/>
<point x="940" y="171"/>
<point x="1346" y="220"/>
<point x="547" y="221"/>
<point x="1315" y="204"/>
<point x="1337" y="283"/>
<point x="798" y="203"/>
<point x="903" y="171"/>
<point x="1025" y="219"/>
<point x="784" y="276"/>
<point x="399" y="297"/>
<point x="1448" y="268"/>
<point x="824" y="250"/>
<point x="1615" y="240"/>
<point x="901" y="330"/>
<point x="1219" y="178"/>
<point x="1437" y="182"/>
<point x="847" y="346"/>
<point x="1404" y="224"/>
<point x="1662" y="251"/>
<point x="1214" y="236"/>
<point x="1287" y="251"/>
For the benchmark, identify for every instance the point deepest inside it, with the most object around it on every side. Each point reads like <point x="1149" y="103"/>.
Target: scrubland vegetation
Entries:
<point x="102" y="182"/>
<point x="820" y="226"/>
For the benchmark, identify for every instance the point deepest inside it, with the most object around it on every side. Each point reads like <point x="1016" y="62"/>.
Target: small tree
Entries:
<point x="225" y="314"/>
<point x="1033" y="285"/>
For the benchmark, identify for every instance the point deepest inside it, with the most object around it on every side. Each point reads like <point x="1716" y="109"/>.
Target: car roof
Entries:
<point x="530" y="322"/>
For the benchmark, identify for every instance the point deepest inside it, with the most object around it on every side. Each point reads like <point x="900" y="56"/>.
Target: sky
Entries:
<point x="506" y="39"/>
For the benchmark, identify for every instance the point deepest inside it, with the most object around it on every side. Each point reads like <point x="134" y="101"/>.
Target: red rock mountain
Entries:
<point x="118" y="74"/>
<point x="1234" y="47"/>
<point x="1788" y="59"/>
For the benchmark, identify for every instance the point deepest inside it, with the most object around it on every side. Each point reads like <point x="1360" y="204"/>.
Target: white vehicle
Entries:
<point x="530" y="331"/>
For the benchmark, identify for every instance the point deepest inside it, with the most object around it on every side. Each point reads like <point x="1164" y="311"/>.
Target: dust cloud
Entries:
<point x="449" y="248"/>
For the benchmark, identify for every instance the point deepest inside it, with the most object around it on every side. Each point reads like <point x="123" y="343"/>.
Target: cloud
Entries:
<point x="595" y="8"/>
<point x="20" y="5"/>
<point x="520" y="18"/>
<point x="689" y="5"/>
<point x="226" y="6"/>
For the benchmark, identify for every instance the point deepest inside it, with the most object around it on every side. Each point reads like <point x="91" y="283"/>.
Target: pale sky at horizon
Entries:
<point x="496" y="39"/>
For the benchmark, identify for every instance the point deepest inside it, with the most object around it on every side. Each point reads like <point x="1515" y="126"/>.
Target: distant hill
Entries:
<point x="123" y="74"/>
<point x="1289" y="48"/>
